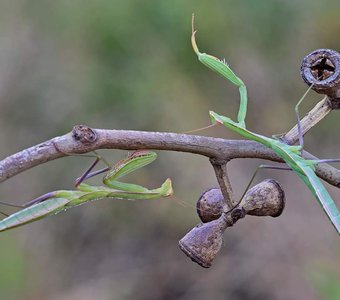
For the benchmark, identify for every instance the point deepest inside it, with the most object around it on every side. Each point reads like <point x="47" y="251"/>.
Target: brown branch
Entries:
<point x="320" y="111"/>
<point x="220" y="168"/>
<point x="84" y="139"/>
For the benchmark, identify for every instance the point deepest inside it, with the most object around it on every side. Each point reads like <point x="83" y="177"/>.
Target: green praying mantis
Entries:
<point x="62" y="200"/>
<point x="305" y="169"/>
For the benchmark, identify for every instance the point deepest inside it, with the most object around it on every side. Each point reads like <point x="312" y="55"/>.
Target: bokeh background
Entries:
<point x="124" y="64"/>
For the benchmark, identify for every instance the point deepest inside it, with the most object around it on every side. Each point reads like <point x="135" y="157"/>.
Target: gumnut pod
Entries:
<point x="264" y="199"/>
<point x="210" y="205"/>
<point x="202" y="243"/>
<point x="322" y="69"/>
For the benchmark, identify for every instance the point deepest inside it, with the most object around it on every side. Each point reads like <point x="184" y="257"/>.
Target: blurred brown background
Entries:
<point x="129" y="65"/>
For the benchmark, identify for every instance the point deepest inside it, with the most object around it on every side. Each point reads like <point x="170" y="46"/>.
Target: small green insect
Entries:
<point x="305" y="169"/>
<point x="62" y="200"/>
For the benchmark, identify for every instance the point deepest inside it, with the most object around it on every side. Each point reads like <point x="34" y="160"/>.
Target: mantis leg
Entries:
<point x="120" y="169"/>
<point x="117" y="167"/>
<point x="326" y="161"/>
<point x="87" y="174"/>
<point x="8" y="204"/>
<point x="221" y="67"/>
<point x="11" y="205"/>
<point x="273" y="167"/>
<point x="199" y="129"/>
<point x="50" y="195"/>
<point x="133" y="162"/>
<point x="313" y="162"/>
<point x="62" y="200"/>
<point x="297" y="116"/>
<point x="39" y="199"/>
<point x="33" y="213"/>
<point x="34" y="201"/>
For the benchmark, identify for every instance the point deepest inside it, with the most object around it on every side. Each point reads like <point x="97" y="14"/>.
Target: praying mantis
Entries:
<point x="305" y="169"/>
<point x="62" y="200"/>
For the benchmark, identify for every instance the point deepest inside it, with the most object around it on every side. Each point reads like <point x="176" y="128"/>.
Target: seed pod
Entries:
<point x="203" y="242"/>
<point x="322" y="69"/>
<point x="210" y="205"/>
<point x="264" y="199"/>
<point x="267" y="198"/>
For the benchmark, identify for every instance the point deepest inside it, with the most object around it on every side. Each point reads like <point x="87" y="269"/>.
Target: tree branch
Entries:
<point x="83" y="139"/>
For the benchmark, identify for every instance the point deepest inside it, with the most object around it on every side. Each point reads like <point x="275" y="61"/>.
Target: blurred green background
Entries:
<point x="129" y="65"/>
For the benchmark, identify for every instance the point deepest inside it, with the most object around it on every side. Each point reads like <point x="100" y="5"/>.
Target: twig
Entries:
<point x="220" y="168"/>
<point x="320" y="111"/>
